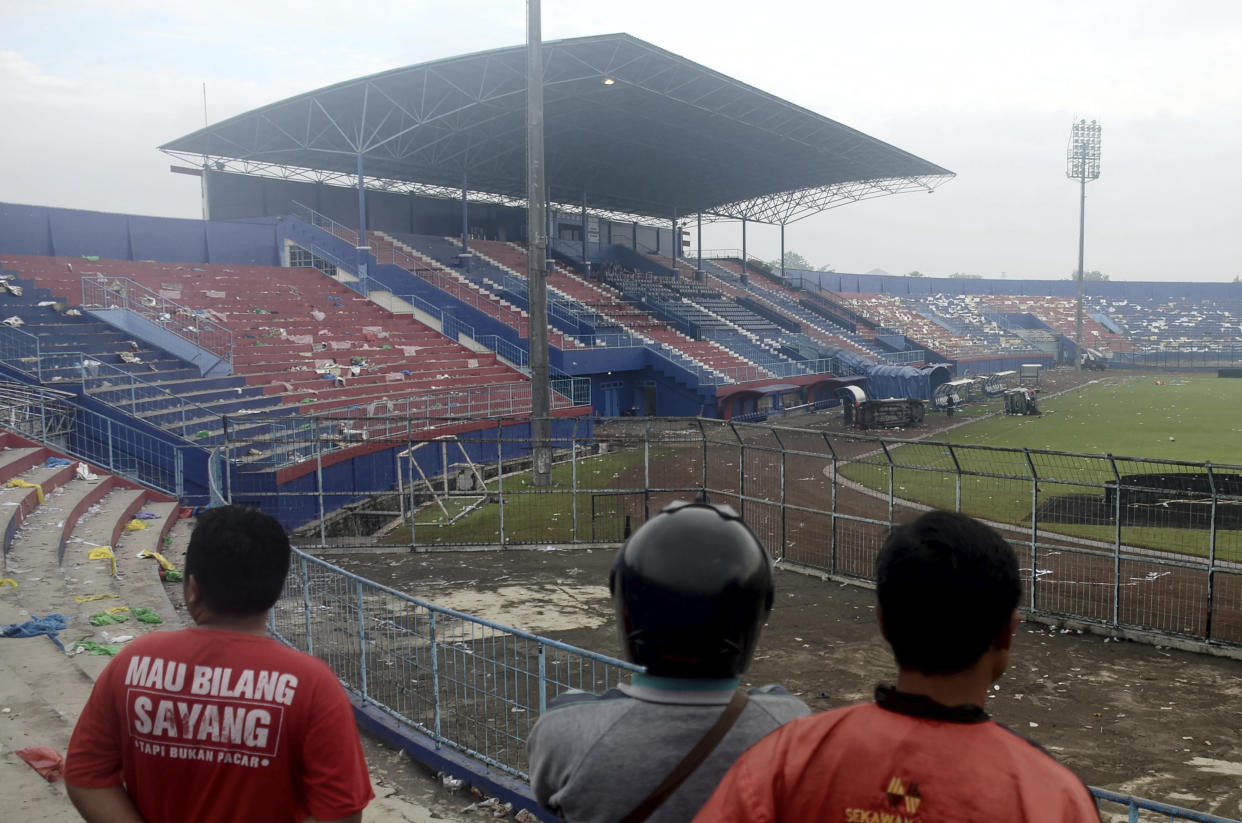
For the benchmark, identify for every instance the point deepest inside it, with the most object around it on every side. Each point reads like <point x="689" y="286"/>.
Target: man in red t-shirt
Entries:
<point x="925" y="750"/>
<point x="219" y="723"/>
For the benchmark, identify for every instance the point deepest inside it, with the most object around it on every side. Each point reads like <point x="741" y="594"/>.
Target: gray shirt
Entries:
<point x="593" y="758"/>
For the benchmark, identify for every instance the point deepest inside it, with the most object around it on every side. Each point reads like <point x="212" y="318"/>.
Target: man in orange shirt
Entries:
<point x="925" y="750"/>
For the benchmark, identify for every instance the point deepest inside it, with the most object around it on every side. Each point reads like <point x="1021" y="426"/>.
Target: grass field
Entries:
<point x="1194" y="418"/>
<point x="1183" y="418"/>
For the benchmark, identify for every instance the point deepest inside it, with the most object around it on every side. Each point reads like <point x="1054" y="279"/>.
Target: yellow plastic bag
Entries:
<point x="103" y="553"/>
<point x="164" y="562"/>
<point x="117" y="610"/>
<point x="91" y="597"/>
<point x="135" y="525"/>
<point x="8" y="581"/>
<point x="18" y="483"/>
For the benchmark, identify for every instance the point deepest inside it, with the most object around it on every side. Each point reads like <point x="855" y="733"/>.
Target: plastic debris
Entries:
<point x="36" y="626"/>
<point x="146" y="515"/>
<point x="171" y="576"/>
<point x="164" y="562"/>
<point x="95" y="648"/>
<point x="45" y="760"/>
<point x="84" y="472"/>
<point x="18" y="483"/>
<point x="14" y="321"/>
<point x="105" y="619"/>
<point x="202" y="434"/>
<point x="103" y="553"/>
<point x="135" y="525"/>
<point x="7" y="581"/>
<point x="56" y="462"/>
<point x="145" y="615"/>
<point x="93" y="597"/>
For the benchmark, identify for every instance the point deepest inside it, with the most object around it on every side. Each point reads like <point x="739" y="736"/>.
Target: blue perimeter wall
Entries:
<point x="53" y="232"/>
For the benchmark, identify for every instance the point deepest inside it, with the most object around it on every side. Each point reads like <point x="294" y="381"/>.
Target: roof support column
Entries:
<point x="536" y="258"/>
<point x="676" y="244"/>
<point x="465" y="224"/>
<point x="363" y="249"/>
<point x="744" y="277"/>
<point x="586" y="257"/>
<point x="699" y="274"/>
<point x="782" y="251"/>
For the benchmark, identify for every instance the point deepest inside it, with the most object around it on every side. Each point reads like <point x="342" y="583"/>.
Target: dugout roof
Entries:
<point x="665" y="134"/>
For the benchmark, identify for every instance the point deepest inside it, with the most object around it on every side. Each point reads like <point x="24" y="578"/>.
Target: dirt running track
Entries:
<point x="1151" y="721"/>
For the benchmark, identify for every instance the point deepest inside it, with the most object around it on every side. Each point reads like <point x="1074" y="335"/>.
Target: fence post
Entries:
<point x="1034" y="526"/>
<point x="892" y="488"/>
<point x="741" y="470"/>
<point x="573" y="486"/>
<point x="323" y="531"/>
<point x="500" y="478"/>
<point x="179" y="472"/>
<point x="306" y="609"/>
<point x="647" y="473"/>
<point x="362" y="640"/>
<point x="111" y="460"/>
<point x="957" y="478"/>
<point x="543" y="679"/>
<point x="1116" y="542"/>
<point x="784" y="514"/>
<point x="832" y="516"/>
<point x="1211" y="571"/>
<point x="435" y="680"/>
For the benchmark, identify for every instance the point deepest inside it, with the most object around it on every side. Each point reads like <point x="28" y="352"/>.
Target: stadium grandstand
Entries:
<point x="358" y="289"/>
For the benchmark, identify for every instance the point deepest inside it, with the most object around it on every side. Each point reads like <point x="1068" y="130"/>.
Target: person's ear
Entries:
<point x="879" y="618"/>
<point x="1004" y="638"/>
<point x="191" y="594"/>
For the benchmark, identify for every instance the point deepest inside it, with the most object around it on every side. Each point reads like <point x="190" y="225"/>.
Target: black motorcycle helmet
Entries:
<point x="692" y="589"/>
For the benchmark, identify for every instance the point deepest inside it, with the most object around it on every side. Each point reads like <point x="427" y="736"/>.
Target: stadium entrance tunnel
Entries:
<point x="1177" y="500"/>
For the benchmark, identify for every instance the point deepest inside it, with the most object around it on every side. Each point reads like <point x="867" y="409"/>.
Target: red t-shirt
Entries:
<point x="209" y="725"/>
<point x="903" y="759"/>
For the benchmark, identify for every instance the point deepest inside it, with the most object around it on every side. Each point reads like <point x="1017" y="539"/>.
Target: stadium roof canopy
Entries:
<point x="629" y="129"/>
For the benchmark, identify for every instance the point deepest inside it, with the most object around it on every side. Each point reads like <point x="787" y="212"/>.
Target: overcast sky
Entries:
<point x="988" y="90"/>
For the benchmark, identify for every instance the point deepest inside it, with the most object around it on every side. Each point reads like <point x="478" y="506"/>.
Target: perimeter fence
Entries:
<point x="469" y="685"/>
<point x="1144" y="545"/>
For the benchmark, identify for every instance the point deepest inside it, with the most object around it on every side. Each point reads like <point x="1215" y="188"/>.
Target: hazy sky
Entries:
<point x="988" y="90"/>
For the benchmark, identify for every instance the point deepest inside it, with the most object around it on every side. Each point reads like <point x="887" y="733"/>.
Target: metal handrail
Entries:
<point x="129" y="295"/>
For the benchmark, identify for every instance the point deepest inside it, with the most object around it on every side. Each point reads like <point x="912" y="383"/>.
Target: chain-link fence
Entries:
<point x="1131" y="543"/>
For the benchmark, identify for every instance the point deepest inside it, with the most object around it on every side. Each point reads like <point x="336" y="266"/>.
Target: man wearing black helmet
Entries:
<point x="692" y="589"/>
<point x="948" y="589"/>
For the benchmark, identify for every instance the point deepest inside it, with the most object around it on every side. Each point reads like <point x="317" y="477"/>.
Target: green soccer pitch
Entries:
<point x="1193" y="418"/>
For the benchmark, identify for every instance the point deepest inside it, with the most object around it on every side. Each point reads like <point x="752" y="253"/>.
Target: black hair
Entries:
<point x="239" y="558"/>
<point x="947" y="585"/>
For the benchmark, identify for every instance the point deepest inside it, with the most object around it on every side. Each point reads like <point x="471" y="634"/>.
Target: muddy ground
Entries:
<point x="1146" y="720"/>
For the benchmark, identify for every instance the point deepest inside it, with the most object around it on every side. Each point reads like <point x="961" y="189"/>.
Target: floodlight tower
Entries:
<point x="1082" y="164"/>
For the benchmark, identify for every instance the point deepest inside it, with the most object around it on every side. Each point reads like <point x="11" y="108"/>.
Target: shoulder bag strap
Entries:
<point x="691" y="761"/>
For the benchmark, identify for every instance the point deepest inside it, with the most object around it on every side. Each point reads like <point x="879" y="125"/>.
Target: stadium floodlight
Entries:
<point x="1082" y="164"/>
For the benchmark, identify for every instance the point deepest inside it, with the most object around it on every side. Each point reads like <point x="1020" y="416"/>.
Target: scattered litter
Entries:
<point x="8" y="581"/>
<point x="56" y="462"/>
<point x="164" y="562"/>
<point x="122" y="638"/>
<point x="146" y="515"/>
<point x="93" y="597"/>
<point x="105" y="619"/>
<point x="84" y="472"/>
<point x="91" y="646"/>
<point x="103" y="553"/>
<point x="18" y="483"/>
<point x="171" y="576"/>
<point x="36" y="626"/>
<point x="45" y="760"/>
<point x="145" y="615"/>
<point x="135" y="525"/>
<point x="14" y="321"/>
